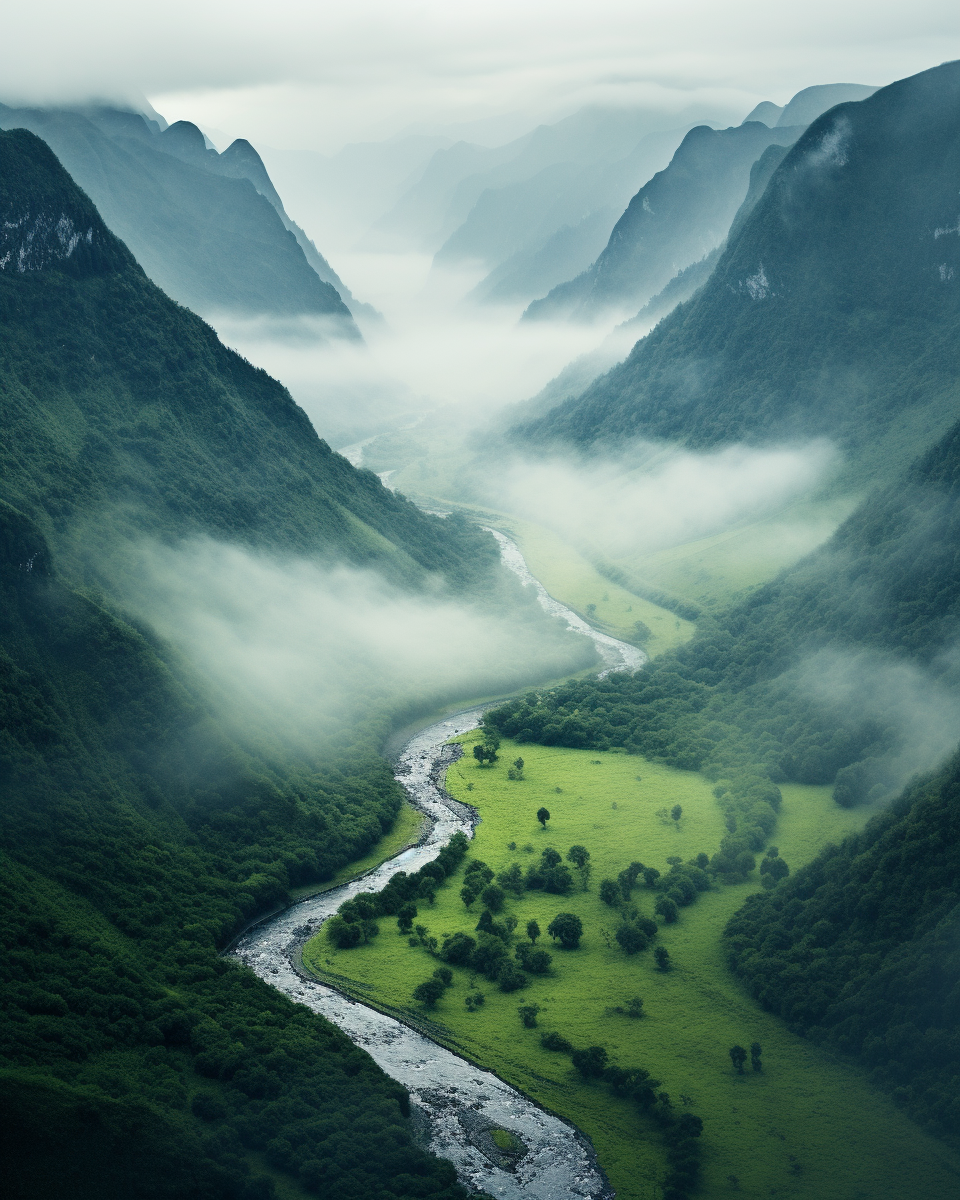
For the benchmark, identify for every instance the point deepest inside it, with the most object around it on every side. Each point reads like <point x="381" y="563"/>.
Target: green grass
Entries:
<point x="808" y="1127"/>
<point x="405" y="832"/>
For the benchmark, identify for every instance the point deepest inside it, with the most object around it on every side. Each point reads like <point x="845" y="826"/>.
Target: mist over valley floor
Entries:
<point x="536" y="440"/>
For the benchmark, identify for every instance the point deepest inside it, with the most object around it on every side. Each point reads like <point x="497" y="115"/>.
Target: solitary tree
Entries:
<point x="516" y="771"/>
<point x="429" y="992"/>
<point x="528" y="1015"/>
<point x="609" y="892"/>
<point x="579" y="856"/>
<point x="676" y="812"/>
<point x="662" y="955"/>
<point x="630" y="938"/>
<point x="567" y="928"/>
<point x="738" y="1056"/>
<point x="543" y="816"/>
<point x="485" y="754"/>
<point x="533" y="931"/>
<point x="755" y="1051"/>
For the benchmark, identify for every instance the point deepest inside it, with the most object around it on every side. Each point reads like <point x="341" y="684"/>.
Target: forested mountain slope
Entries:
<point x="674" y="220"/>
<point x="139" y="827"/>
<point x="843" y="670"/>
<point x="199" y="227"/>
<point x="835" y="311"/>
<point x="861" y="949"/>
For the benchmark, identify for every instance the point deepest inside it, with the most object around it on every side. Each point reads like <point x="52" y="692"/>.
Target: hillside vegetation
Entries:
<point x="833" y="312"/>
<point x="140" y="826"/>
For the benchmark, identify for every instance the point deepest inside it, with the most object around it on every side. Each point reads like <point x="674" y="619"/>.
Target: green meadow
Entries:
<point x="807" y="1127"/>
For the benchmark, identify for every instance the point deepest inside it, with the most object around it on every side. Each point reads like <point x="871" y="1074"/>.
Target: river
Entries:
<point x="455" y="1103"/>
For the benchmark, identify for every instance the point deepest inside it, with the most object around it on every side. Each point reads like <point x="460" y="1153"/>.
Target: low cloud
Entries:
<point x="307" y="650"/>
<point x="651" y="498"/>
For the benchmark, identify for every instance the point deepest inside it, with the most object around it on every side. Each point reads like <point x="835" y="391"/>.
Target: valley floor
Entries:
<point x="807" y="1127"/>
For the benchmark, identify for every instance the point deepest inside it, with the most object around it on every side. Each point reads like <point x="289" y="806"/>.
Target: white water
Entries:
<point x="460" y="1102"/>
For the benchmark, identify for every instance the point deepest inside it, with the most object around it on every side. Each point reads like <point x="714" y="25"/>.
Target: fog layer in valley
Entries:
<point x="308" y="649"/>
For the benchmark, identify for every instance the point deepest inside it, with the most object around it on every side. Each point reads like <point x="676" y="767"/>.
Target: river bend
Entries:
<point x="456" y="1103"/>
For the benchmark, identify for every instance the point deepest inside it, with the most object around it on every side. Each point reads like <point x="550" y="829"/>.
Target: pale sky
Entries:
<point x="317" y="75"/>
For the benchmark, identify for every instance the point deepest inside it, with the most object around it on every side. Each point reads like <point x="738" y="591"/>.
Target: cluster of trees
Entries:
<point x="859" y="949"/>
<point x="354" y="922"/>
<point x="680" y="1130"/>
<point x="549" y="874"/>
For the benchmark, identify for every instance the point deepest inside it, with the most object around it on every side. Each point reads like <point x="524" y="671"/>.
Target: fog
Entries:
<point x="646" y="497"/>
<point x="307" y="650"/>
<point x="431" y="353"/>
<point x="916" y="707"/>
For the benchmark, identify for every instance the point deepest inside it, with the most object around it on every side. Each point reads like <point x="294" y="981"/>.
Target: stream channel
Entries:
<point x="456" y="1105"/>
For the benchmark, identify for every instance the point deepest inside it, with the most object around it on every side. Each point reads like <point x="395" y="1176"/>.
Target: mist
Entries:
<point x="308" y="650"/>
<point x="432" y="352"/>
<point x="915" y="708"/>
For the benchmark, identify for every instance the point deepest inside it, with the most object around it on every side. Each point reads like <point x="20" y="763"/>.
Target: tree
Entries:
<point x="528" y="1015"/>
<point x="458" y="949"/>
<point x="406" y="916"/>
<point x="634" y="1007"/>
<point x="533" y="931"/>
<point x="738" y="1056"/>
<point x="512" y="879"/>
<point x="516" y="771"/>
<point x="609" y="892"/>
<point x="630" y="938"/>
<point x="590" y="1062"/>
<point x="543" y="816"/>
<point x="567" y="928"/>
<point x="510" y="977"/>
<point x="667" y="909"/>
<point x="444" y="974"/>
<point x="429" y="992"/>
<point x="676" y="812"/>
<point x="662" y="955"/>
<point x="468" y="894"/>
<point x="755" y="1051"/>
<point x="555" y="1041"/>
<point x="493" y="897"/>
<point x="550" y="857"/>
<point x="650" y="876"/>
<point x="485" y="754"/>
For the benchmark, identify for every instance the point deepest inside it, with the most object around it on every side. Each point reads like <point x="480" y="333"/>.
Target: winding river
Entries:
<point x="455" y="1103"/>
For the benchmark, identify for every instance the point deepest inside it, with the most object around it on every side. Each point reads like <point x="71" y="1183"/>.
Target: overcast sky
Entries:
<point x="318" y="74"/>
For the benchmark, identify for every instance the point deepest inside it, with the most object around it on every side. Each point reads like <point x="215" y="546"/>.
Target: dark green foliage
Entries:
<point x="528" y="1015"/>
<point x="662" y="955"/>
<point x="590" y="1062"/>
<point x="533" y="931"/>
<point x="738" y="1056"/>
<point x="543" y="816"/>
<point x="631" y="938"/>
<point x="494" y="897"/>
<point x="841" y="254"/>
<point x="140" y="831"/>
<point x="567" y="928"/>
<point x="610" y="893"/>
<point x="667" y="908"/>
<point x="756" y="1051"/>
<point x="458" y="949"/>
<point x="511" y="978"/>
<point x="537" y="962"/>
<point x="859" y="949"/>
<point x="554" y="1041"/>
<point x="430" y="991"/>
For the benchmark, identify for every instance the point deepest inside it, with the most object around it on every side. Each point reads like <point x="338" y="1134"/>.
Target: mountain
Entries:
<point x="195" y="220"/>
<point x="143" y="822"/>
<point x="588" y="142"/>
<point x="675" y="219"/>
<point x="814" y="101"/>
<point x="834" y="310"/>
<point x="540" y="228"/>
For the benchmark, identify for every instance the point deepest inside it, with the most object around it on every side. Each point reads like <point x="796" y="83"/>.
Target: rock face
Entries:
<point x="213" y="238"/>
<point x="832" y="312"/>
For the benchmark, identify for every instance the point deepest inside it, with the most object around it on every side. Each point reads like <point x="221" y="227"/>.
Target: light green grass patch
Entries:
<point x="807" y="1127"/>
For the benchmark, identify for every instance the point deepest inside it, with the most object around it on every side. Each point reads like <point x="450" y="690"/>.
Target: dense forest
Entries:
<point x="833" y="311"/>
<point x="139" y="829"/>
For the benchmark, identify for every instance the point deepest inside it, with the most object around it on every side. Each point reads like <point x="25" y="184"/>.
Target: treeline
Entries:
<point x="861" y="950"/>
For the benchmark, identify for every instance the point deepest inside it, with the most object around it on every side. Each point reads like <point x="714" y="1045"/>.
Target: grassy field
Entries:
<point x="808" y="1127"/>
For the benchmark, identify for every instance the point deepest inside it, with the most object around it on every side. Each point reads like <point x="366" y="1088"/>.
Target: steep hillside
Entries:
<point x="833" y="312"/>
<point x="198" y="226"/>
<point x="859" y="950"/>
<point x="675" y="219"/>
<point x="142" y="824"/>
